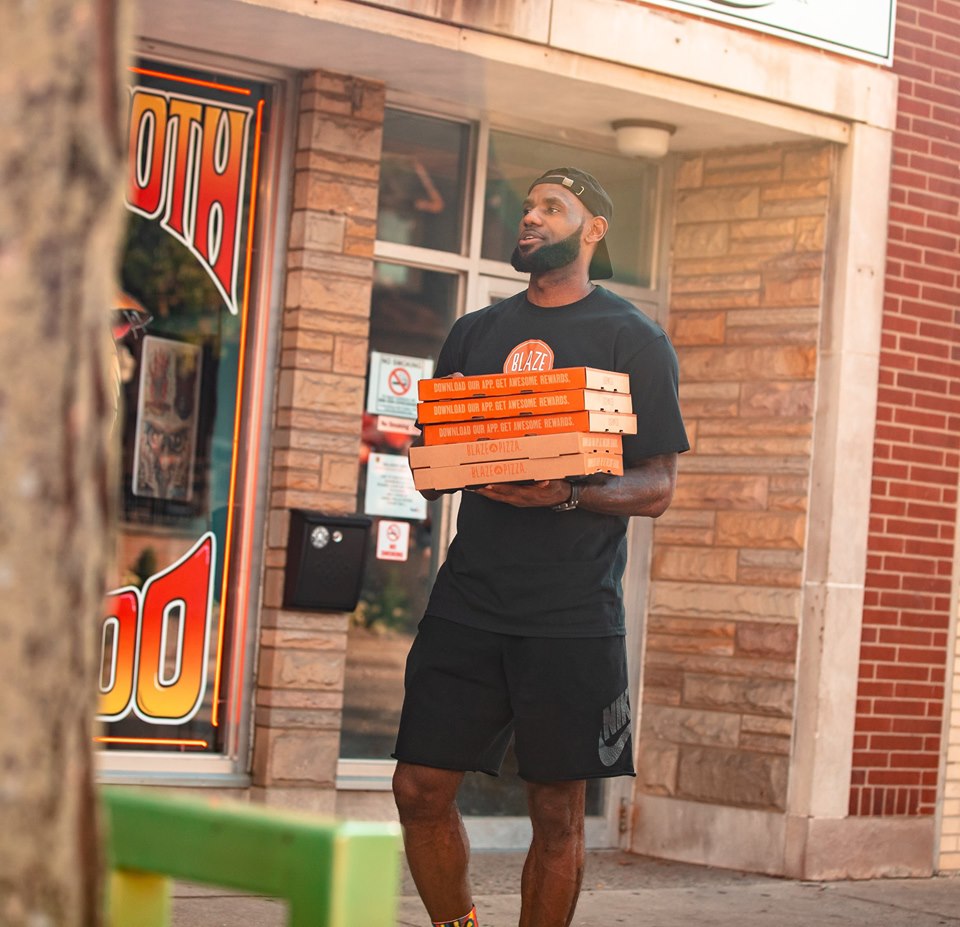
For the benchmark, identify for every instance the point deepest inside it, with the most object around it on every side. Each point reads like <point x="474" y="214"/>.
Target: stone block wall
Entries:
<point x="316" y="436"/>
<point x="722" y="628"/>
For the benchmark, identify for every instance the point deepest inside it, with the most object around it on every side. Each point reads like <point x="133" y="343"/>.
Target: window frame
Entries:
<point x="231" y="767"/>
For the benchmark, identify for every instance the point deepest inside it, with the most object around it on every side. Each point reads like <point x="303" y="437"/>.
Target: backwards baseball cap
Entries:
<point x="586" y="188"/>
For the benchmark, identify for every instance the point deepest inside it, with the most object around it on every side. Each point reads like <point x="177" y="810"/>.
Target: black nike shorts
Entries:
<point x="566" y="701"/>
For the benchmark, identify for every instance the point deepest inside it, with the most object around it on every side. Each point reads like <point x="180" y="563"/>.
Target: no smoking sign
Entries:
<point x="393" y="540"/>
<point x="392" y="386"/>
<point x="399" y="381"/>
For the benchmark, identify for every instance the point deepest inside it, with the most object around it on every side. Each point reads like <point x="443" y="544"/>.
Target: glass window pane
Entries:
<point x="514" y="161"/>
<point x="423" y="181"/>
<point x="411" y="312"/>
<point x="177" y="323"/>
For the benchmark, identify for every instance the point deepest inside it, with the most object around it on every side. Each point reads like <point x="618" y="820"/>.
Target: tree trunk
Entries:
<point x="60" y="213"/>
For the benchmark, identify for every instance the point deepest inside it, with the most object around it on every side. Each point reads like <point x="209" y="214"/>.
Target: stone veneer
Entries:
<point x="316" y="436"/>
<point x="727" y="563"/>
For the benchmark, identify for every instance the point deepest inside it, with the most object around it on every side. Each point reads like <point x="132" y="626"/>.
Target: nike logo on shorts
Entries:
<point x="616" y="724"/>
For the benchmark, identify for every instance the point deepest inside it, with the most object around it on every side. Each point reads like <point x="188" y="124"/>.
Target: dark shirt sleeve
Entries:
<point x="654" y="385"/>
<point x="449" y="358"/>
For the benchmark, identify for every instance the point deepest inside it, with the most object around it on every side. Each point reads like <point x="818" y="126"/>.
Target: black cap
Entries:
<point x="587" y="189"/>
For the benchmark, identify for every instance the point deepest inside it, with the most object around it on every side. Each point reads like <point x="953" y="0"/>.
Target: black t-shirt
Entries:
<point x="533" y="571"/>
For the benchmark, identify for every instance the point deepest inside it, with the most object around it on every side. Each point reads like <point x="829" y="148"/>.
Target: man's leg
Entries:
<point x="554" y="868"/>
<point x="434" y="838"/>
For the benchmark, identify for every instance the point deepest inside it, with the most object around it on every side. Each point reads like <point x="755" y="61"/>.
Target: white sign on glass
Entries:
<point x="390" y="492"/>
<point x="392" y="388"/>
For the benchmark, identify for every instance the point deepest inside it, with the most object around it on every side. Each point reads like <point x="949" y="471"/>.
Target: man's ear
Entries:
<point x="596" y="229"/>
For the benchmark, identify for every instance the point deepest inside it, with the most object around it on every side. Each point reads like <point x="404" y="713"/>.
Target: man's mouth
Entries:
<point x="527" y="237"/>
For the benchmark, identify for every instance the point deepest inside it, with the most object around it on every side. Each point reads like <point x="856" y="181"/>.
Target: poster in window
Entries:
<point x="166" y="430"/>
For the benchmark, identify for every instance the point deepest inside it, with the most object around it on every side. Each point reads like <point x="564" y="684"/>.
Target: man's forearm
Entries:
<point x="646" y="489"/>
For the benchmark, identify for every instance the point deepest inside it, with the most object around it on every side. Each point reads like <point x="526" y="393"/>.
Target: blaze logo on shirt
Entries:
<point x="529" y="357"/>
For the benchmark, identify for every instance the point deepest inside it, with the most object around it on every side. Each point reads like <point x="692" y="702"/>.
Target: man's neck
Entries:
<point x="558" y="287"/>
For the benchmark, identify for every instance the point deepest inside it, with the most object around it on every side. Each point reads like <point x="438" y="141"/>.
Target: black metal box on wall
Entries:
<point x="325" y="560"/>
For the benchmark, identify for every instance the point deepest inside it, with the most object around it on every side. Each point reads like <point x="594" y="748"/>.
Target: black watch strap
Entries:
<point x="572" y="502"/>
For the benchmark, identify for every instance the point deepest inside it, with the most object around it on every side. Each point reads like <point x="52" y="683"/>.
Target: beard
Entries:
<point x="548" y="257"/>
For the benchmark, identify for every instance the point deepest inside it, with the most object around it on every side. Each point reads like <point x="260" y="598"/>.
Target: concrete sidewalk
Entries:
<point x="620" y="888"/>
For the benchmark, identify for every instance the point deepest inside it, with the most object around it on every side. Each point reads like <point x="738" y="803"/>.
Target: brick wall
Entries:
<point x="316" y="435"/>
<point x="746" y="280"/>
<point x="910" y="564"/>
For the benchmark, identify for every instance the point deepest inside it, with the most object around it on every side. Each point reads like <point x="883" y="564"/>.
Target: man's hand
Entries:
<point x="644" y="489"/>
<point x="527" y="495"/>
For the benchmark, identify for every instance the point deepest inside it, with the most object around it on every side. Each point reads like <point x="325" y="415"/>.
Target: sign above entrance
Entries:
<point x="858" y="28"/>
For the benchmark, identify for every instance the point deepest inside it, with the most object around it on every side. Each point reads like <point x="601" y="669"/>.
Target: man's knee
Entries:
<point x="557" y="809"/>
<point x="424" y="792"/>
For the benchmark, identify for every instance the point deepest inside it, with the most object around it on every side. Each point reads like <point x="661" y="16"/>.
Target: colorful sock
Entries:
<point x="468" y="920"/>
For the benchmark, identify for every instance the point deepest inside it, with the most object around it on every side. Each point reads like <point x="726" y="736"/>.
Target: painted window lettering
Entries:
<point x="188" y="168"/>
<point x="156" y="642"/>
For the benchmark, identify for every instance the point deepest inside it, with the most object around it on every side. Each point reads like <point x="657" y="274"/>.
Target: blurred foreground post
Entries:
<point x="60" y="216"/>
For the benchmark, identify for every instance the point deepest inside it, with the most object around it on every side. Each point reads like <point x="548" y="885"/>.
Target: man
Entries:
<point x="524" y="630"/>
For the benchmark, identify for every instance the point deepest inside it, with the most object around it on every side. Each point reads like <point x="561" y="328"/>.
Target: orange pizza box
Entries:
<point x="604" y="422"/>
<point x="570" y="400"/>
<point x="523" y="448"/>
<point x="502" y="384"/>
<point x="512" y="471"/>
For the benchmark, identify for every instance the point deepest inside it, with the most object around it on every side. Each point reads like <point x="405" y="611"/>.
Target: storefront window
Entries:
<point x="514" y="161"/>
<point x="411" y="311"/>
<point x="423" y="182"/>
<point x="169" y="623"/>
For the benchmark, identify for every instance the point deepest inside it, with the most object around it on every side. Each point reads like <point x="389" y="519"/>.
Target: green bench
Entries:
<point x="331" y="874"/>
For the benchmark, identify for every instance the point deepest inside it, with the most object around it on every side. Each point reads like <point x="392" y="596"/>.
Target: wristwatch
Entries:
<point x="572" y="502"/>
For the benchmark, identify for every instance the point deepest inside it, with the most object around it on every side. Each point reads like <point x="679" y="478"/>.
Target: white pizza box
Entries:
<point x="519" y="448"/>
<point x="512" y="471"/>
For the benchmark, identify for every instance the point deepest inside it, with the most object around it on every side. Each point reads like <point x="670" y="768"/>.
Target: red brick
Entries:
<point x="906" y="636"/>
<point x="927" y="475"/>
<point x="928" y="313"/>
<point x="944" y="369"/>
<point x="949" y="226"/>
<point x="909" y="490"/>
<point x="910" y="380"/>
<point x="921" y="655"/>
<point x="885" y="654"/>
<point x="931" y="512"/>
<point x="909" y="564"/>
<point x="897" y="742"/>
<point x="929" y="692"/>
<point x="905" y="761"/>
<point x="917" y="725"/>
<point x="928" y="329"/>
<point x="893" y="777"/>
<point x="873" y="723"/>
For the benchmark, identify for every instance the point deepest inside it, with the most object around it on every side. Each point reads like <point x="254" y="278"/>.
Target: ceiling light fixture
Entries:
<point x="641" y="138"/>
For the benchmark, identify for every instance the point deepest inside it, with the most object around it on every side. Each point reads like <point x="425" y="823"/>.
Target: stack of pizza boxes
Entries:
<point x="514" y="427"/>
